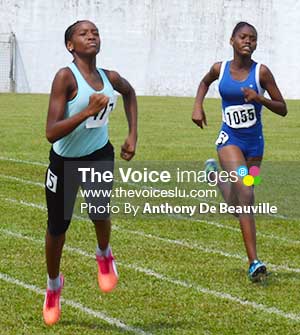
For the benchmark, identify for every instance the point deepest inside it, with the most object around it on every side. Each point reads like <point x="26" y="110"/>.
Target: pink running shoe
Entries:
<point x="107" y="272"/>
<point x="52" y="307"/>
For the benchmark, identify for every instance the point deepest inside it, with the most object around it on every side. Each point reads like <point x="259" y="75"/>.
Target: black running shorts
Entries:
<point x="64" y="176"/>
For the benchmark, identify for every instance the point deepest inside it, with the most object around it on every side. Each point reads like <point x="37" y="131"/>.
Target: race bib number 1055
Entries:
<point x="101" y="118"/>
<point x="240" y="116"/>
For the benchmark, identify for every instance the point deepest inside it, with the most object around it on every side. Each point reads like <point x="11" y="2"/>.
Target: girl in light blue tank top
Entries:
<point x="81" y="99"/>
<point x="83" y="140"/>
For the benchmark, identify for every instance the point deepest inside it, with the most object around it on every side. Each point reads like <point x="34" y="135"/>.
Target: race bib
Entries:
<point x="101" y="119"/>
<point x="240" y="116"/>
<point x="222" y="138"/>
<point x="51" y="181"/>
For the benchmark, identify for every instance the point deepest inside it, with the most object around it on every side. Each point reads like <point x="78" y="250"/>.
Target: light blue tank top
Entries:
<point x="82" y="140"/>
<point x="240" y="116"/>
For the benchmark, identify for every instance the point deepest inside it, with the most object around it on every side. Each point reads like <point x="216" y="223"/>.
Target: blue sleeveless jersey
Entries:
<point x="240" y="117"/>
<point x="84" y="139"/>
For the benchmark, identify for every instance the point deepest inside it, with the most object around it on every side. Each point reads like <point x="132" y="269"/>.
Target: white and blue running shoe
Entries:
<point x="210" y="165"/>
<point x="257" y="271"/>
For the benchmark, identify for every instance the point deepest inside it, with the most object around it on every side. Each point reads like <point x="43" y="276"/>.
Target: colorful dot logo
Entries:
<point x="250" y="177"/>
<point x="242" y="171"/>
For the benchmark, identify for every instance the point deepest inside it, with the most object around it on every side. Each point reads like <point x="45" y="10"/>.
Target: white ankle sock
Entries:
<point x="104" y="253"/>
<point x="53" y="284"/>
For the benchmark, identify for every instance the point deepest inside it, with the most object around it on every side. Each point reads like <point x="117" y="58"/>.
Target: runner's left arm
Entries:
<point x="122" y="86"/>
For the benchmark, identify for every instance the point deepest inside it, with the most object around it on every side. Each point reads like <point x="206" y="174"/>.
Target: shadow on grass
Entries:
<point x="166" y="327"/>
<point x="146" y="327"/>
<point x="93" y="325"/>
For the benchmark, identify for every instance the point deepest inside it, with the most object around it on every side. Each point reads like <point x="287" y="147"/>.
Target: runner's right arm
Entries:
<point x="198" y="115"/>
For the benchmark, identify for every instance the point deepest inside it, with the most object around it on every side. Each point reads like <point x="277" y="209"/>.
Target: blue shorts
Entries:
<point x="251" y="145"/>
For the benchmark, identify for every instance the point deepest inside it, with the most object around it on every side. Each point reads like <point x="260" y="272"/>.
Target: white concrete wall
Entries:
<point x="163" y="47"/>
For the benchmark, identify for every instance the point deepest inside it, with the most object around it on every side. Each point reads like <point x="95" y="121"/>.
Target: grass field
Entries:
<point x="178" y="275"/>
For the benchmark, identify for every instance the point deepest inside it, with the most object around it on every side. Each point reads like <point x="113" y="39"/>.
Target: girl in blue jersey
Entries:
<point x="82" y="96"/>
<point x="242" y="82"/>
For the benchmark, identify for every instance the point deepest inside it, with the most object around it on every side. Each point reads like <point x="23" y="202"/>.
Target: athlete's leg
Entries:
<point x="231" y="157"/>
<point x="228" y="194"/>
<point x="59" y="216"/>
<point x="54" y="247"/>
<point x="103" y="230"/>
<point x="107" y="271"/>
<point x="102" y="162"/>
<point x="55" y="238"/>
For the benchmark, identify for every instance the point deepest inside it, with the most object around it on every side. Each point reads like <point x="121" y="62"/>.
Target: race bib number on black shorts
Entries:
<point x="51" y="181"/>
<point x="101" y="119"/>
<point x="240" y="116"/>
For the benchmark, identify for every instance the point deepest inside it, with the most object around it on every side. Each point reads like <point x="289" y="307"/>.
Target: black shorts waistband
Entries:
<point x="104" y="153"/>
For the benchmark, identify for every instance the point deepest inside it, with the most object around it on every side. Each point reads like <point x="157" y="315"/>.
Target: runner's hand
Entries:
<point x="96" y="103"/>
<point x="249" y="94"/>
<point x="128" y="148"/>
<point x="199" y="118"/>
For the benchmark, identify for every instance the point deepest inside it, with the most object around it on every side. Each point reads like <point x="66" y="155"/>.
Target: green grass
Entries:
<point x="178" y="275"/>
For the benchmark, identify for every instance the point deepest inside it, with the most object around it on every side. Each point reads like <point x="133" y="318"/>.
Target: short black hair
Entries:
<point x="241" y="25"/>
<point x="70" y="31"/>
